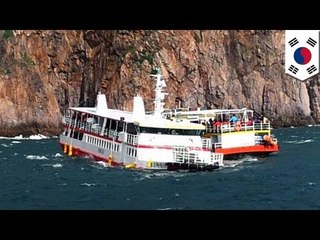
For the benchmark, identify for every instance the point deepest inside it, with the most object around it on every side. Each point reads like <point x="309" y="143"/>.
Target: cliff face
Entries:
<point x="44" y="72"/>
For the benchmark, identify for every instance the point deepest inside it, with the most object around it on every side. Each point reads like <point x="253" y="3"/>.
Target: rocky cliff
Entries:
<point x="44" y="72"/>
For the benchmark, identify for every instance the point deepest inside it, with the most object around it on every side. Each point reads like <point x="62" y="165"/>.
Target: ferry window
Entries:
<point x="193" y="132"/>
<point x="108" y="122"/>
<point x="120" y="126"/>
<point x="131" y="128"/>
<point x="114" y="124"/>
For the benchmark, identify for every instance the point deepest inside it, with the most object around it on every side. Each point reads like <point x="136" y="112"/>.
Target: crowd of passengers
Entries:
<point x="234" y="121"/>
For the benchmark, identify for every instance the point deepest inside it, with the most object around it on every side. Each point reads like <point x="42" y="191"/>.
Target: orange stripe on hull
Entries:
<point x="257" y="149"/>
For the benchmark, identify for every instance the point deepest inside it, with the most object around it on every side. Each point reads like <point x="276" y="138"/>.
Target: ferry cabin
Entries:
<point x="248" y="134"/>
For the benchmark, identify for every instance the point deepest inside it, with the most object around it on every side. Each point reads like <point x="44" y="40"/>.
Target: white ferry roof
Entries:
<point x="151" y="121"/>
<point x="148" y="121"/>
<point x="108" y="113"/>
<point x="211" y="111"/>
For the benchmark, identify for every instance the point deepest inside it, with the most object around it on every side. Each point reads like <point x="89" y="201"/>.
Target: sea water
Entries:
<point x="35" y="174"/>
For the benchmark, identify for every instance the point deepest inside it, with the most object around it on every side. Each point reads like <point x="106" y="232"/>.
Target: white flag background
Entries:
<point x="302" y="53"/>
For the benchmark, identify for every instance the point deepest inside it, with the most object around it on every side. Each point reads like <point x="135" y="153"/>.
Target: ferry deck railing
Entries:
<point x="181" y="155"/>
<point x="229" y="127"/>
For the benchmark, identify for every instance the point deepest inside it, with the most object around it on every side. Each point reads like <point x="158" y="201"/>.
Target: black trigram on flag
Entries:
<point x="311" y="42"/>
<point x="293" y="42"/>
<point x="293" y="69"/>
<point x="311" y="69"/>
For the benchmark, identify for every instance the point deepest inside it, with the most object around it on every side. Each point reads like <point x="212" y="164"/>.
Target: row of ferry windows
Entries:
<point x="169" y="131"/>
<point x="132" y="129"/>
<point x="108" y="145"/>
<point x="103" y="143"/>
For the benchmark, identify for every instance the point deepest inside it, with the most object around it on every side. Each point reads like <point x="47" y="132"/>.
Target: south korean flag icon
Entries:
<point x="302" y="53"/>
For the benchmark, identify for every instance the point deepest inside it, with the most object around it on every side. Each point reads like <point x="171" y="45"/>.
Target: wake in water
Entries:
<point x="142" y="175"/>
<point x="299" y="141"/>
<point x="234" y="163"/>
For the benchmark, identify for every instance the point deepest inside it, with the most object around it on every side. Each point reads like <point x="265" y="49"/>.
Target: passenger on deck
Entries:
<point x="217" y="125"/>
<point x="233" y="119"/>
<point x="249" y="122"/>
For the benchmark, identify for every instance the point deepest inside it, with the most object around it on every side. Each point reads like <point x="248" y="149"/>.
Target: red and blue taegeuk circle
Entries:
<point x="302" y="55"/>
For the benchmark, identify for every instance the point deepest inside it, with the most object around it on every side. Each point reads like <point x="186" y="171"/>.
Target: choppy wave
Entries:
<point x="5" y="145"/>
<point x="15" y="142"/>
<point x="146" y="175"/>
<point x="37" y="157"/>
<point x="88" y="184"/>
<point x="57" y="155"/>
<point x="56" y="165"/>
<point x="299" y="141"/>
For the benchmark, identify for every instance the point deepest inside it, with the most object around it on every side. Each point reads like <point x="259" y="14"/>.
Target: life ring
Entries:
<point x="269" y="140"/>
<point x="237" y="126"/>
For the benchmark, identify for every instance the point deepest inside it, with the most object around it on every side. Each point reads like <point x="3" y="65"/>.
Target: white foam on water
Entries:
<point x="16" y="137"/>
<point x="15" y="142"/>
<point x="88" y="184"/>
<point x="57" y="165"/>
<point x="38" y="137"/>
<point x="231" y="163"/>
<point x="57" y="155"/>
<point x="300" y="141"/>
<point x="312" y="184"/>
<point x="102" y="163"/>
<point x="37" y="157"/>
<point x="32" y="137"/>
<point x="5" y="145"/>
<point x="148" y="174"/>
<point x="234" y="163"/>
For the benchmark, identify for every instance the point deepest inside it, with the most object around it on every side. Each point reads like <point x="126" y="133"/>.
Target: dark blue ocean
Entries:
<point x="34" y="174"/>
